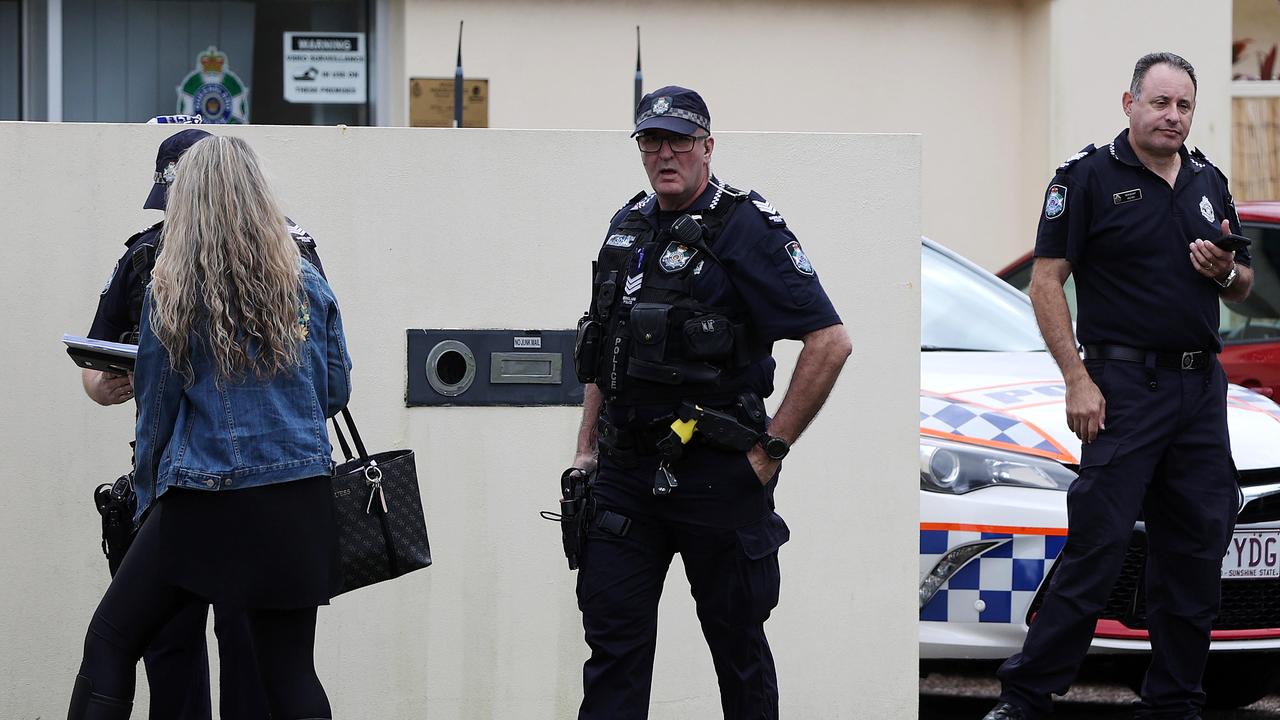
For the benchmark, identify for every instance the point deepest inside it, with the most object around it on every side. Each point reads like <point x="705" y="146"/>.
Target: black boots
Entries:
<point x="1005" y="711"/>
<point x="89" y="705"/>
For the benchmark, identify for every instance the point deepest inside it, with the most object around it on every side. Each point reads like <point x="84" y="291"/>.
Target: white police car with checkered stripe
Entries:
<point x="996" y="458"/>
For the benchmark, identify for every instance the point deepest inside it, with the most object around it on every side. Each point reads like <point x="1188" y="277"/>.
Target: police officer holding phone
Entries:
<point x="177" y="661"/>
<point x="1146" y="228"/>
<point x="693" y="285"/>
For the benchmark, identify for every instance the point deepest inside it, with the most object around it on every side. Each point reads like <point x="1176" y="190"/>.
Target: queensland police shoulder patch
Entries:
<point x="676" y="256"/>
<point x="798" y="258"/>
<point x="1056" y="202"/>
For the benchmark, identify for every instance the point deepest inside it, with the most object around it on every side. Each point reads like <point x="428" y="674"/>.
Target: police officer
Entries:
<point x="1135" y="222"/>
<point x="693" y="285"/>
<point x="177" y="661"/>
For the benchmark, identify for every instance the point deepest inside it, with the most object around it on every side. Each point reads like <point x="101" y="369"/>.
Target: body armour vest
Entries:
<point x="646" y="340"/>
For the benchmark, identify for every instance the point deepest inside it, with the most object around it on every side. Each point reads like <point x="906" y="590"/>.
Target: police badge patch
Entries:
<point x="798" y="258"/>
<point x="661" y="106"/>
<point x="110" y="278"/>
<point x="1206" y="209"/>
<point x="1056" y="203"/>
<point x="676" y="256"/>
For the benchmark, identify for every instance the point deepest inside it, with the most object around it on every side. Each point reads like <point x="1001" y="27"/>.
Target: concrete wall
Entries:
<point x="476" y="229"/>
<point x="1001" y="90"/>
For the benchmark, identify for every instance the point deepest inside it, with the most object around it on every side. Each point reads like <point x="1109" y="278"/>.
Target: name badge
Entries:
<point x="1121" y="198"/>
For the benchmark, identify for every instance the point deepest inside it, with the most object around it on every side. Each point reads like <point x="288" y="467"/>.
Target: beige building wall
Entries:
<point x="470" y="229"/>
<point x="1001" y="90"/>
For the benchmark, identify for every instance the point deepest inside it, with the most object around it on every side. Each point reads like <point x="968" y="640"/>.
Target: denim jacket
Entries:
<point x="225" y="435"/>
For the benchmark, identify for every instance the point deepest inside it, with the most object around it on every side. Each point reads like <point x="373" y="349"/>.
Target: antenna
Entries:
<point x="457" y="83"/>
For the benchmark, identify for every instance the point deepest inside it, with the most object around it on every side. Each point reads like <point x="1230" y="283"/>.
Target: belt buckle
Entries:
<point x="1189" y="359"/>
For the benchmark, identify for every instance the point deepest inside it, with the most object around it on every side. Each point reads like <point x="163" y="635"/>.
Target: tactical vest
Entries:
<point x="144" y="261"/>
<point x="645" y="339"/>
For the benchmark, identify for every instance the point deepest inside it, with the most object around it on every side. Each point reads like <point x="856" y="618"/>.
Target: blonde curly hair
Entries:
<point x="228" y="270"/>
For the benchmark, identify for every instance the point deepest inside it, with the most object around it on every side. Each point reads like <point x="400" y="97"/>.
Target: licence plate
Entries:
<point x="1252" y="554"/>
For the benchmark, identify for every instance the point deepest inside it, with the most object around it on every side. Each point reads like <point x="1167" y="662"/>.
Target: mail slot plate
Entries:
<point x="538" y="368"/>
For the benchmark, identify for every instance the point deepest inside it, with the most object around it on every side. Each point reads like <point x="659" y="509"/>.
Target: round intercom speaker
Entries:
<point x="450" y="367"/>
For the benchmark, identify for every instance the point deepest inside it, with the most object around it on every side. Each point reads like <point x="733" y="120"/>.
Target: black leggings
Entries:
<point x="140" y="601"/>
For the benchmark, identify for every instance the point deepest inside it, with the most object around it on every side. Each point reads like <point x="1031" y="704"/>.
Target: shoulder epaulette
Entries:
<point x="300" y="236"/>
<point x="770" y="213"/>
<point x="1200" y="161"/>
<point x="639" y="200"/>
<point x="1075" y="158"/>
<point x="134" y="237"/>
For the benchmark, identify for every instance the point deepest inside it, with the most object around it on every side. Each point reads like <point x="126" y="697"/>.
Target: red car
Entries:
<point x="1250" y="330"/>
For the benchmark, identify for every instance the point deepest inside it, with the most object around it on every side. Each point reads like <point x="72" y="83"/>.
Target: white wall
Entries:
<point x="474" y="229"/>
<point x="1001" y="90"/>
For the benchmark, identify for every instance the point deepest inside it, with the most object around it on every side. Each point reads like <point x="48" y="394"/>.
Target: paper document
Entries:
<point x="123" y="350"/>
<point x="109" y="357"/>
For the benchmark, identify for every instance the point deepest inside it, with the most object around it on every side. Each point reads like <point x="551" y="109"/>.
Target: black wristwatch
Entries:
<point x="775" y="448"/>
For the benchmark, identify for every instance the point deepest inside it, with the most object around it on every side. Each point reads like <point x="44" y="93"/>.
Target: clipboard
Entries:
<point x="116" y="358"/>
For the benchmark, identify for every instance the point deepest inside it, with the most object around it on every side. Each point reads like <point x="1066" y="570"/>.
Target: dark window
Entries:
<point x="124" y="60"/>
<point x="1258" y="317"/>
<point x="10" y="60"/>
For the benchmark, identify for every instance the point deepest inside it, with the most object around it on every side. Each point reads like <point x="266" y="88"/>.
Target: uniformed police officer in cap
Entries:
<point x="177" y="661"/>
<point x="1135" y="222"/>
<point x="693" y="285"/>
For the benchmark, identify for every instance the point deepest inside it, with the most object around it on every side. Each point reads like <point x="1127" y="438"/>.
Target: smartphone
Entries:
<point x="1232" y="242"/>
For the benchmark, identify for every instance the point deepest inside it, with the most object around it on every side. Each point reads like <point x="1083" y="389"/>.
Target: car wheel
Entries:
<point x="1239" y="679"/>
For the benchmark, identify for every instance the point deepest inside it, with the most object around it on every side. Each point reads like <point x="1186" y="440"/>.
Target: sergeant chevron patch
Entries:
<point x="770" y="213"/>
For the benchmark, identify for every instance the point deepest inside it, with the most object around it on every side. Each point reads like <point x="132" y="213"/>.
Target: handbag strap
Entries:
<point x="355" y="436"/>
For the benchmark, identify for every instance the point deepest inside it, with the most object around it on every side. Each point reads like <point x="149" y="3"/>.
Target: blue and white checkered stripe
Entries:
<point x="992" y="586"/>
<point x="946" y="416"/>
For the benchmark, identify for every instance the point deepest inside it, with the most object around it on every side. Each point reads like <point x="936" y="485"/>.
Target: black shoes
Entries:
<point x="1006" y="711"/>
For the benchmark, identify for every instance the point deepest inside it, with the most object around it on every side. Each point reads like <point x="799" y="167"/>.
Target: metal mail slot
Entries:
<point x="525" y="368"/>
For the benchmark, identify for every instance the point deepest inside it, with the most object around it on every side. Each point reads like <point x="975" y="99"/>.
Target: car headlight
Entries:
<point x="955" y="467"/>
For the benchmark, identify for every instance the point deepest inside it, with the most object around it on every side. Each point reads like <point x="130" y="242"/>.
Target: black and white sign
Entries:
<point x="327" y="67"/>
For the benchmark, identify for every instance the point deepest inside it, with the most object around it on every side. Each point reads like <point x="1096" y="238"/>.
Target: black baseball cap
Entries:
<point x="673" y="108"/>
<point x="167" y="160"/>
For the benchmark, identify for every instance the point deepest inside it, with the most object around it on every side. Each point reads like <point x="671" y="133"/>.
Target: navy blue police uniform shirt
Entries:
<point x="765" y="271"/>
<point x="121" y="300"/>
<point x="1126" y="234"/>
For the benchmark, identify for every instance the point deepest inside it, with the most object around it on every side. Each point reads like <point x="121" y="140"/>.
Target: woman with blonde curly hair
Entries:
<point x="241" y="357"/>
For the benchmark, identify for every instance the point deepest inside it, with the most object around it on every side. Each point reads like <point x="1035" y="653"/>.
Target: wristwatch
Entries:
<point x="1231" y="277"/>
<point x="775" y="448"/>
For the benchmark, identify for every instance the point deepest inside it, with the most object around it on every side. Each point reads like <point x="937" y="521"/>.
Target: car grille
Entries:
<point x="1246" y="604"/>
<point x="1263" y="509"/>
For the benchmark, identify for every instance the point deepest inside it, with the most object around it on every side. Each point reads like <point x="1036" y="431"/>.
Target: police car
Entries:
<point x="996" y="458"/>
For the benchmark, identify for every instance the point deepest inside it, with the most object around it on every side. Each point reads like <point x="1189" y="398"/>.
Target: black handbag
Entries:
<point x="382" y="533"/>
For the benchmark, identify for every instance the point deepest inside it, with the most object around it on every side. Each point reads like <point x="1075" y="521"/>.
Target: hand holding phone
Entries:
<point x="1232" y="242"/>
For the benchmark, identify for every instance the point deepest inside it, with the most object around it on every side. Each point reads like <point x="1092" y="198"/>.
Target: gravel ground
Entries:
<point x="969" y="693"/>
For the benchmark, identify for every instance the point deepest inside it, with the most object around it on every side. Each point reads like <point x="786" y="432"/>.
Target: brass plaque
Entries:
<point x="431" y="102"/>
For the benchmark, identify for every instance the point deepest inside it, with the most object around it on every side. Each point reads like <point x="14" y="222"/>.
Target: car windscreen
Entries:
<point x="963" y="308"/>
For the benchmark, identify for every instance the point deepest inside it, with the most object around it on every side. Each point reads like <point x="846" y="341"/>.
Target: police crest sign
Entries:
<point x="213" y="92"/>
<point x="1056" y="203"/>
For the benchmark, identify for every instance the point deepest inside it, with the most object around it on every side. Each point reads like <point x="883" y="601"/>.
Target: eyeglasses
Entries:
<point x="677" y="143"/>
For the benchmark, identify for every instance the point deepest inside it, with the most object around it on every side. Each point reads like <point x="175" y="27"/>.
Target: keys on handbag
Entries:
<point x="373" y="476"/>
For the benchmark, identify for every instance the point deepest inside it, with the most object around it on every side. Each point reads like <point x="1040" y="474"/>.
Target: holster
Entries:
<point x="116" y="504"/>
<point x="576" y="511"/>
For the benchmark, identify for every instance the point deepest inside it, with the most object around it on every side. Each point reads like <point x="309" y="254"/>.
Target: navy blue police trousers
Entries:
<point x="733" y="577"/>
<point x="1165" y="457"/>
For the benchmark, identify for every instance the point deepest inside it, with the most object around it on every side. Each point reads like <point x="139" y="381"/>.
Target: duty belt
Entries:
<point x="1189" y="360"/>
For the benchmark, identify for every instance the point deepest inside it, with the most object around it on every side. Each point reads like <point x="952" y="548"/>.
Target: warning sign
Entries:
<point x="328" y="67"/>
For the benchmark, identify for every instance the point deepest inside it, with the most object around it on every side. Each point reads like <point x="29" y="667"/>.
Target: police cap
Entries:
<point x="673" y="108"/>
<point x="166" y="161"/>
